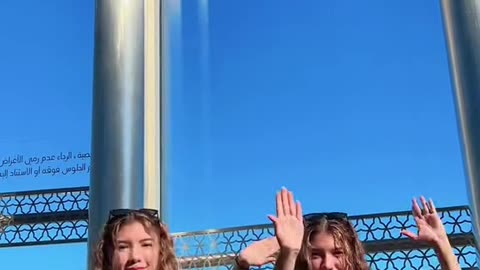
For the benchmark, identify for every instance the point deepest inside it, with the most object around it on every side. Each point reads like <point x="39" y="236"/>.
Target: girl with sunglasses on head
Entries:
<point x="267" y="250"/>
<point x="330" y="242"/>
<point x="316" y="241"/>
<point x="135" y="240"/>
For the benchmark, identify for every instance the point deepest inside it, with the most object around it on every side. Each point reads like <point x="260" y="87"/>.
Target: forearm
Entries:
<point x="286" y="259"/>
<point x="445" y="254"/>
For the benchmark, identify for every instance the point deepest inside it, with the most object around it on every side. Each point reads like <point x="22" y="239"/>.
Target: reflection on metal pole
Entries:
<point x="117" y="177"/>
<point x="462" y="26"/>
<point x="153" y="188"/>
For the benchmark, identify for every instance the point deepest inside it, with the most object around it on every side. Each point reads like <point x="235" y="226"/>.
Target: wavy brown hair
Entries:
<point x="344" y="235"/>
<point x="106" y="246"/>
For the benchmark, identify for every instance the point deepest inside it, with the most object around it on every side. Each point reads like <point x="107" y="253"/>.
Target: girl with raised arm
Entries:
<point x="316" y="241"/>
<point x="328" y="241"/>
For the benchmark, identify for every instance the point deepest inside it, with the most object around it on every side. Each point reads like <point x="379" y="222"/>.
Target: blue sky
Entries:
<point x="349" y="105"/>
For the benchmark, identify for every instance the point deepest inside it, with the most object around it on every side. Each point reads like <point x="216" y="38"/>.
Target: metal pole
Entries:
<point x="117" y="176"/>
<point x="462" y="26"/>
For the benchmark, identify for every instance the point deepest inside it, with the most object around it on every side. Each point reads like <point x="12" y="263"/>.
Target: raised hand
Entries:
<point x="260" y="253"/>
<point x="288" y="223"/>
<point x="432" y="232"/>
<point x="429" y="224"/>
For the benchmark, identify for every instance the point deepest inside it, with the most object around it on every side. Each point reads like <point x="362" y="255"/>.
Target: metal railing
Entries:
<point x="61" y="216"/>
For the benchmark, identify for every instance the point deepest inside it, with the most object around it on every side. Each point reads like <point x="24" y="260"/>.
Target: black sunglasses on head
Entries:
<point x="117" y="213"/>
<point x="313" y="217"/>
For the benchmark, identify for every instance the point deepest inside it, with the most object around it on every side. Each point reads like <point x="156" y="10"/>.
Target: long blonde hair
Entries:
<point x="106" y="246"/>
<point x="344" y="235"/>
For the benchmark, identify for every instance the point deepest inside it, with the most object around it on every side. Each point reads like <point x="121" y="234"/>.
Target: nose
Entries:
<point x="134" y="254"/>
<point x="329" y="262"/>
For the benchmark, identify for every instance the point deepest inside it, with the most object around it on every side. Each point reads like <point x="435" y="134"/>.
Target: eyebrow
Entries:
<point x="322" y="250"/>
<point x="129" y="241"/>
<point x="146" y="240"/>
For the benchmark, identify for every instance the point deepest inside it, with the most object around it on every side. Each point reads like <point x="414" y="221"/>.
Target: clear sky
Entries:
<point x="348" y="104"/>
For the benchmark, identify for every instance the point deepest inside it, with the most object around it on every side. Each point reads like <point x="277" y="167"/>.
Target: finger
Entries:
<point x="409" y="234"/>
<point x="280" y="212"/>
<point x="425" y="205"/>
<point x="432" y="207"/>
<point x="416" y="208"/>
<point x="273" y="218"/>
<point x="286" y="210"/>
<point x="291" y="204"/>
<point x="299" y="210"/>
<point x="418" y="220"/>
<point x="271" y="259"/>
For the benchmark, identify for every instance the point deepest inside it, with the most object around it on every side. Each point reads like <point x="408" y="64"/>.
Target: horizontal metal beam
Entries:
<point x="456" y="240"/>
<point x="49" y="217"/>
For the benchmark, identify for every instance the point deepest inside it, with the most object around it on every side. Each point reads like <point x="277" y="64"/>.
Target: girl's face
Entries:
<point x="135" y="248"/>
<point x="324" y="254"/>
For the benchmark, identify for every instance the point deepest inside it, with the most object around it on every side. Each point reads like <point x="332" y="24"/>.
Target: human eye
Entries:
<point x="316" y="254"/>
<point x="147" y="244"/>
<point x="338" y="253"/>
<point x="122" y="247"/>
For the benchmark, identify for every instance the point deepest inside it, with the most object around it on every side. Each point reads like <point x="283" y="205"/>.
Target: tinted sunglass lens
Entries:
<point x="119" y="212"/>
<point x="151" y="212"/>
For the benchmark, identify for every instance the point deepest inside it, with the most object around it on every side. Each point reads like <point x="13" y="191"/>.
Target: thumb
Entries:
<point x="273" y="218"/>
<point x="410" y="235"/>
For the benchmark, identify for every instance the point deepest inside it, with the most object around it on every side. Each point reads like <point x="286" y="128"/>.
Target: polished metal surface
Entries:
<point x="462" y="27"/>
<point x="153" y="188"/>
<point x="58" y="216"/>
<point x="118" y="112"/>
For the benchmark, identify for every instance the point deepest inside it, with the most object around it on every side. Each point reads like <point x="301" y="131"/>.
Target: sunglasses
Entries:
<point x="119" y="213"/>
<point x="315" y="217"/>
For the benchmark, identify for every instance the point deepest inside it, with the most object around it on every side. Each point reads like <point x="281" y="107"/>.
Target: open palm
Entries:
<point x="288" y="223"/>
<point x="429" y="224"/>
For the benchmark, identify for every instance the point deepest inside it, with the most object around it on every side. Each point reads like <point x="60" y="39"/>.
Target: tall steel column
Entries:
<point x="462" y="26"/>
<point x="126" y="111"/>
